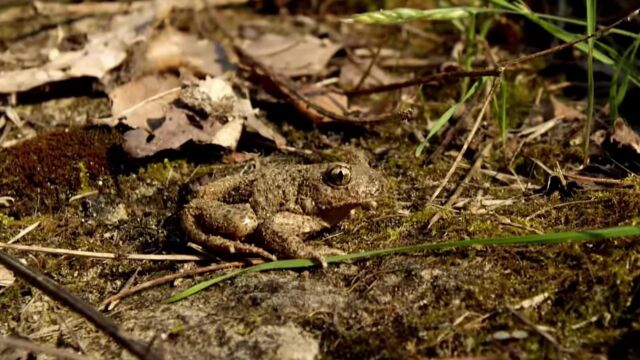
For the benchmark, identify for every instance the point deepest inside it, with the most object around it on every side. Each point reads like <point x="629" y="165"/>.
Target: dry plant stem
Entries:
<point x="596" y="180"/>
<point x="168" y="278"/>
<point x="439" y="77"/>
<point x="101" y="255"/>
<point x="372" y="62"/>
<point x="505" y="65"/>
<point x="476" y="125"/>
<point x="17" y="343"/>
<point x="78" y="305"/>
<point x="24" y="232"/>
<point x="578" y="202"/>
<point x="286" y="86"/>
<point x="535" y="328"/>
<point x="599" y="33"/>
<point x="451" y="132"/>
<point x="456" y="194"/>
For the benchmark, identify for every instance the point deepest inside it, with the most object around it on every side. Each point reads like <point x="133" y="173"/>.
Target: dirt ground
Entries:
<point x="567" y="301"/>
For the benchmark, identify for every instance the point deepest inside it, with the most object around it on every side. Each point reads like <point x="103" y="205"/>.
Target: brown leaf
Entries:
<point x="176" y="129"/>
<point x="624" y="137"/>
<point x="6" y="277"/>
<point x="327" y="99"/>
<point x="131" y="104"/>
<point x="172" y="50"/>
<point x="293" y="55"/>
<point x="209" y="112"/>
<point x="565" y="111"/>
<point x="353" y="69"/>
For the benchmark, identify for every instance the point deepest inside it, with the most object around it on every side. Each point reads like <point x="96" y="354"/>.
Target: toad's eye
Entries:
<point x="338" y="175"/>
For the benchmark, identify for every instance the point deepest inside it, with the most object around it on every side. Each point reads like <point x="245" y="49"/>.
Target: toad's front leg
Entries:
<point x="284" y="233"/>
<point x="221" y="227"/>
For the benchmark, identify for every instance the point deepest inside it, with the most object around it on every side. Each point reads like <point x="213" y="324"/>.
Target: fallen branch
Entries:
<point x="102" y="255"/>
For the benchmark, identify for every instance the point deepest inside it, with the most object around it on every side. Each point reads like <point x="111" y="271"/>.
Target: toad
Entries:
<point x="271" y="211"/>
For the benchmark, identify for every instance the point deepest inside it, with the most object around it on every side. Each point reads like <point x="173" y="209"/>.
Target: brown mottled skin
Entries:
<point x="278" y="207"/>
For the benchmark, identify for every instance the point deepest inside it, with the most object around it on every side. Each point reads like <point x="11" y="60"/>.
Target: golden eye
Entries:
<point x="338" y="175"/>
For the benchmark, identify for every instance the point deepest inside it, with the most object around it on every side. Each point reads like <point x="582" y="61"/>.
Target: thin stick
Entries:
<point x="57" y="353"/>
<point x="578" y="202"/>
<point x="146" y="101"/>
<point x="80" y="306"/>
<point x="538" y="330"/>
<point x="102" y="255"/>
<point x="24" y="232"/>
<point x="367" y="71"/>
<point x="601" y="32"/>
<point x="496" y="83"/>
<point x="505" y="65"/>
<point x="438" y="77"/>
<point x="168" y="278"/>
<point x="456" y="194"/>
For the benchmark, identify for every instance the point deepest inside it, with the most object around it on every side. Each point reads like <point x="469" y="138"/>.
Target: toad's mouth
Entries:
<point x="335" y="214"/>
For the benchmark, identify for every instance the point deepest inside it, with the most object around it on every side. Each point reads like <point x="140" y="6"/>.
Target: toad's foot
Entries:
<point x="283" y="234"/>
<point x="319" y="254"/>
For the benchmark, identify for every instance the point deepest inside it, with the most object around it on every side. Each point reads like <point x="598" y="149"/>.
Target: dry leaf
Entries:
<point x="141" y="102"/>
<point x="209" y="112"/>
<point x="6" y="277"/>
<point x="564" y="111"/>
<point x="101" y="53"/>
<point x="353" y="69"/>
<point x="624" y="137"/>
<point x="293" y="55"/>
<point x="327" y="99"/>
<point x="172" y="50"/>
<point x="175" y="130"/>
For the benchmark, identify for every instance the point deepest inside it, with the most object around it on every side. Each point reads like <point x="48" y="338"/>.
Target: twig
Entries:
<point x="168" y="278"/>
<point x="505" y="65"/>
<point x="24" y="232"/>
<point x="538" y="330"/>
<point x="496" y="83"/>
<point x="456" y="194"/>
<point x="80" y="306"/>
<point x="102" y="255"/>
<point x="438" y="77"/>
<point x="601" y="32"/>
<point x="595" y="180"/>
<point x="367" y="71"/>
<point x="542" y="211"/>
<point x="287" y="88"/>
<point x="30" y="346"/>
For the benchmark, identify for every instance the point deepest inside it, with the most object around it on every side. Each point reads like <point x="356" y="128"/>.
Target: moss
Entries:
<point x="42" y="173"/>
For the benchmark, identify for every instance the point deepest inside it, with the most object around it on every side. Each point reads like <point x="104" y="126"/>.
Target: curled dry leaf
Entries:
<point x="101" y="53"/>
<point x="293" y="55"/>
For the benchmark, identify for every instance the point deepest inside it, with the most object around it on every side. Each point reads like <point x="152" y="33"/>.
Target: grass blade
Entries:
<point x="444" y="118"/>
<point x="544" y="239"/>
<point x="591" y="28"/>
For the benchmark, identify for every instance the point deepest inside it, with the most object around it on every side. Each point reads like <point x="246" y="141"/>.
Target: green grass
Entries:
<point x="591" y="29"/>
<point x="544" y="239"/>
